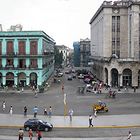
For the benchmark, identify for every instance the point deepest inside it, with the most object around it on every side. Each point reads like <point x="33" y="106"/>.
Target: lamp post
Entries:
<point x="64" y="101"/>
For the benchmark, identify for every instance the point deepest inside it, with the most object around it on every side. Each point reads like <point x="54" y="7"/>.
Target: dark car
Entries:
<point x="36" y="124"/>
<point x="69" y="77"/>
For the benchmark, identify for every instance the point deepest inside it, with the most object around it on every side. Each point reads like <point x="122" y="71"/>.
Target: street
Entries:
<point x="80" y="132"/>
<point x="126" y="103"/>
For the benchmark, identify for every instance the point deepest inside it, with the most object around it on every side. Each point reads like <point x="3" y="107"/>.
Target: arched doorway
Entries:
<point x="114" y="75"/>
<point x="33" y="79"/>
<point x="0" y="79"/>
<point x="127" y="77"/>
<point x="22" y="79"/>
<point x="106" y="76"/>
<point x="9" y="79"/>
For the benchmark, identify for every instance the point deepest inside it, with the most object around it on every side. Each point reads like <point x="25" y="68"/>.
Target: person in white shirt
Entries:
<point x="129" y="136"/>
<point x="70" y="114"/>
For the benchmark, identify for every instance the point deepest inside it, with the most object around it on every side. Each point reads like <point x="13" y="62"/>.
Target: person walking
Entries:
<point x="45" y="111"/>
<point x="39" y="135"/>
<point x="50" y="111"/>
<point x="3" y="105"/>
<point x="25" y="111"/>
<point x="11" y="110"/>
<point x="129" y="136"/>
<point x="90" y="121"/>
<point x="35" y="110"/>
<point x="30" y="133"/>
<point x="70" y="114"/>
<point x="20" y="134"/>
<point x="95" y="113"/>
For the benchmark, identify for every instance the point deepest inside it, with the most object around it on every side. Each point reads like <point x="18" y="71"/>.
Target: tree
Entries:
<point x="58" y="57"/>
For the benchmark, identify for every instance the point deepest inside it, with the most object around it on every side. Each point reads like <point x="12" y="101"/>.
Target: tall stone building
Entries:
<point x="115" y="43"/>
<point x="84" y="52"/>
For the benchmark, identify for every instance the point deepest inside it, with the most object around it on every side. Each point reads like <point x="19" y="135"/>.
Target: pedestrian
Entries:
<point x="45" y="111"/>
<point x="90" y="121"/>
<point x="22" y="89"/>
<point x="35" y="110"/>
<point x="134" y="89"/>
<point x="35" y="91"/>
<point x="70" y="114"/>
<point x="3" y="106"/>
<point x="95" y="113"/>
<point x="25" y="111"/>
<point x="20" y="134"/>
<point x="50" y="111"/>
<point x="39" y="135"/>
<point x="11" y="110"/>
<point x="30" y="133"/>
<point x="129" y="136"/>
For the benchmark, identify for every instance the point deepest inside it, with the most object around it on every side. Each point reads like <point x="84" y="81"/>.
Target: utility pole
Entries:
<point x="64" y="100"/>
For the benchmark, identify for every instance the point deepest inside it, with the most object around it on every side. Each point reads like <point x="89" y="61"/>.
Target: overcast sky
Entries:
<point x="65" y="21"/>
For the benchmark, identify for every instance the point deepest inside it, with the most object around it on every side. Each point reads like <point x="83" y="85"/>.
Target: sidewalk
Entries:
<point x="110" y="121"/>
<point x="106" y="138"/>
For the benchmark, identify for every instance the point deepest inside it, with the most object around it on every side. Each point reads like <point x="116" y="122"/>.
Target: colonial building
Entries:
<point x="65" y="51"/>
<point x="84" y="52"/>
<point x="115" y="42"/>
<point x="26" y="57"/>
<point x="81" y="52"/>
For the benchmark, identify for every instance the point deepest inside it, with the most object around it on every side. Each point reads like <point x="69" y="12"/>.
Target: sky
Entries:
<point x="65" y="21"/>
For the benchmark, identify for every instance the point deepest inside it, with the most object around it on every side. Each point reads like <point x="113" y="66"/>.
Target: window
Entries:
<point x="21" y="47"/>
<point x="33" y="47"/>
<point x="10" y="50"/>
<point x="33" y="63"/>
<point x="116" y="35"/>
<point x="9" y="63"/>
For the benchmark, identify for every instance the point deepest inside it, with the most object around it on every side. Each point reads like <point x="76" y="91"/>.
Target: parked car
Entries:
<point x="74" y="75"/>
<point x="70" y="77"/>
<point x="67" y="72"/>
<point x="81" y="76"/>
<point x="60" y="74"/>
<point x="36" y="124"/>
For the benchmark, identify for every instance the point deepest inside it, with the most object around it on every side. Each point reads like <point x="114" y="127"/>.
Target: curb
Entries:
<point x="78" y="127"/>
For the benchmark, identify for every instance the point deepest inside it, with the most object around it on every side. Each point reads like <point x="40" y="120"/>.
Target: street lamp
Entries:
<point x="64" y="100"/>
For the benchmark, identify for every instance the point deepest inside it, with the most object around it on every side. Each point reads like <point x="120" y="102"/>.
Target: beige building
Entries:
<point x="84" y="52"/>
<point x="66" y="52"/>
<point x="115" y="43"/>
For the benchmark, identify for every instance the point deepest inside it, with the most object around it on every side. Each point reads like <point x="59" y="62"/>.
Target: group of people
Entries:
<point x="30" y="134"/>
<point x="25" y="110"/>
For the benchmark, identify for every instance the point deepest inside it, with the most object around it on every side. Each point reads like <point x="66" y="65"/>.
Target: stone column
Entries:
<point x="134" y="78"/>
<point x="4" y="80"/>
<point x="15" y="80"/>
<point x="121" y="80"/>
<point x="27" y="80"/>
<point x="109" y="78"/>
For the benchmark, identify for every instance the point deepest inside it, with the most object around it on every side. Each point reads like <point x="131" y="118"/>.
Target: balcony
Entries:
<point x="12" y="55"/>
<point x="12" y="67"/>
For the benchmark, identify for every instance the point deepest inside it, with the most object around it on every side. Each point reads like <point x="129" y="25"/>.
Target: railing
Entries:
<point x="25" y="55"/>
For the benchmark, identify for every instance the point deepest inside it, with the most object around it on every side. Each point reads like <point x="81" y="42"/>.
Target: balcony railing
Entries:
<point x="11" y="55"/>
<point x="12" y="67"/>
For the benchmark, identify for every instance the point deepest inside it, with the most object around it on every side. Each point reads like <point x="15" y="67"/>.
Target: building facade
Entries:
<point x="65" y="51"/>
<point x="115" y="43"/>
<point x="26" y="57"/>
<point x="84" y="52"/>
<point x="76" y="55"/>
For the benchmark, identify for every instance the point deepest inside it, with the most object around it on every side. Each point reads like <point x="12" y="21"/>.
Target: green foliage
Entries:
<point x="58" y="57"/>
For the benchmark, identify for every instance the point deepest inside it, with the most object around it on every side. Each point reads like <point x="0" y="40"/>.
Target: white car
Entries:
<point x="60" y="74"/>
